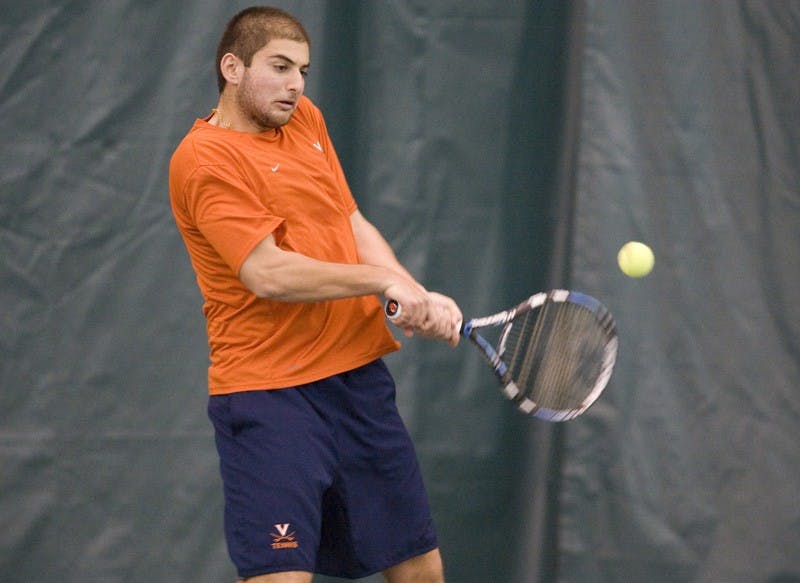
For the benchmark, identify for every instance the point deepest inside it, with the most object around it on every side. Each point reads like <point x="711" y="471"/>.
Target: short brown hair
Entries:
<point x="252" y="29"/>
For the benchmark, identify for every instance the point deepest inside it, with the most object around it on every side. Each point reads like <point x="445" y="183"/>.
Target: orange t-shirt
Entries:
<point x="229" y="190"/>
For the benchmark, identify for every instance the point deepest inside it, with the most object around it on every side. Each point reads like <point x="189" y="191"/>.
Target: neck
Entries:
<point x="218" y="119"/>
<point x="228" y="115"/>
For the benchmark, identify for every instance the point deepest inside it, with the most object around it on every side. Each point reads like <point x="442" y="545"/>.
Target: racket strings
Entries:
<point x="555" y="354"/>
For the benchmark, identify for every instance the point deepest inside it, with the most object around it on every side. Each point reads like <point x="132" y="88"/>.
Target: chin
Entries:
<point x="276" y="120"/>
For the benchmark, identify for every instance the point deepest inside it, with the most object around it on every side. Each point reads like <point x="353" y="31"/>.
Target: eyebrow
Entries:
<point x="288" y="60"/>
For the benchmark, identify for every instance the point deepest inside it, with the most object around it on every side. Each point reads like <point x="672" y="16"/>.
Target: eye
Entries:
<point x="304" y="72"/>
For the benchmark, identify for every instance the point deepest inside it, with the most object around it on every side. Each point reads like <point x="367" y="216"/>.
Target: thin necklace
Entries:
<point x="220" y="120"/>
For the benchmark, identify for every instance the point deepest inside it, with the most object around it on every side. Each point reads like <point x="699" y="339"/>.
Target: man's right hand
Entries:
<point x="429" y="314"/>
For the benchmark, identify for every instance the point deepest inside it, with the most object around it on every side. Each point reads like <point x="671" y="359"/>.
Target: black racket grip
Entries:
<point x="392" y="309"/>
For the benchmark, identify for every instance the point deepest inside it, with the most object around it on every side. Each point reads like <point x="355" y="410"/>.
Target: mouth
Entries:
<point x="286" y="104"/>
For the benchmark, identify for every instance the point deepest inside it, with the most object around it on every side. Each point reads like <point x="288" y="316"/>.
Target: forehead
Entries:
<point x="294" y="51"/>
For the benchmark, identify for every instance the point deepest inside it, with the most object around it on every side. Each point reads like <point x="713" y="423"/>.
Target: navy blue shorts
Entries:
<point x="321" y="478"/>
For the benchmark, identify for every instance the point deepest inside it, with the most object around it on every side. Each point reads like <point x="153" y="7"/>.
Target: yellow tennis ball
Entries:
<point x="635" y="259"/>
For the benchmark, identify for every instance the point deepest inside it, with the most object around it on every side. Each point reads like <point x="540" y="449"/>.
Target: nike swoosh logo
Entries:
<point x="275" y="168"/>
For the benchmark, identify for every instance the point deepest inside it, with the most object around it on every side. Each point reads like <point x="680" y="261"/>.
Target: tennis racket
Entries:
<point x="555" y="353"/>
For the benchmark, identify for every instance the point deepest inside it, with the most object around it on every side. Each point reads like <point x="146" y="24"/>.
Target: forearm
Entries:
<point x="373" y="248"/>
<point x="273" y="273"/>
<point x="431" y="314"/>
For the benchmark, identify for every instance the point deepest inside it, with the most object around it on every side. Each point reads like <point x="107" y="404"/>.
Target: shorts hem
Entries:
<point x="272" y="570"/>
<point x="382" y="565"/>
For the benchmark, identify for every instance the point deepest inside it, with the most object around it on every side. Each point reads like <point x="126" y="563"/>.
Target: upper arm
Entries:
<point x="228" y="214"/>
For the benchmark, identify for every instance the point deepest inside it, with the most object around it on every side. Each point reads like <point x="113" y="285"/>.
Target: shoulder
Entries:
<point x="308" y="108"/>
<point x="308" y="114"/>
<point x="203" y="155"/>
<point x="204" y="144"/>
<point x="204" y="148"/>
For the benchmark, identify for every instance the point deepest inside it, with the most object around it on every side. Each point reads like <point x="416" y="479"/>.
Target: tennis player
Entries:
<point x="318" y="470"/>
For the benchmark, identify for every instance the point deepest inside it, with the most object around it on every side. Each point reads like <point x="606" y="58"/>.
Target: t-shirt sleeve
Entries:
<point x="228" y="213"/>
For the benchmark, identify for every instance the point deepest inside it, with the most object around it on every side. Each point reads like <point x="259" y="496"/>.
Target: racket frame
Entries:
<point x="495" y="356"/>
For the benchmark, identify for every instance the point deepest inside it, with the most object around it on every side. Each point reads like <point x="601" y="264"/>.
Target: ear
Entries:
<point x="232" y="68"/>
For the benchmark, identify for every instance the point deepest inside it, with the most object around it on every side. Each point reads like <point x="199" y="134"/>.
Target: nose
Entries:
<point x="297" y="82"/>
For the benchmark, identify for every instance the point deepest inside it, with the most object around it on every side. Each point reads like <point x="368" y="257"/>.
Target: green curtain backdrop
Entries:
<point x="502" y="147"/>
<point x="689" y="470"/>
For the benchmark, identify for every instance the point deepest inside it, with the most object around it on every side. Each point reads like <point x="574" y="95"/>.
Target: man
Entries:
<point x="318" y="470"/>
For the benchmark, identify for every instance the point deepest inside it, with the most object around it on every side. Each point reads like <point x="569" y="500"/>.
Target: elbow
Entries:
<point x="264" y="272"/>
<point x="266" y="288"/>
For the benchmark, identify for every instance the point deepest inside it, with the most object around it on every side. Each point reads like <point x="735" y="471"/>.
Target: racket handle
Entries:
<point x="392" y="309"/>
